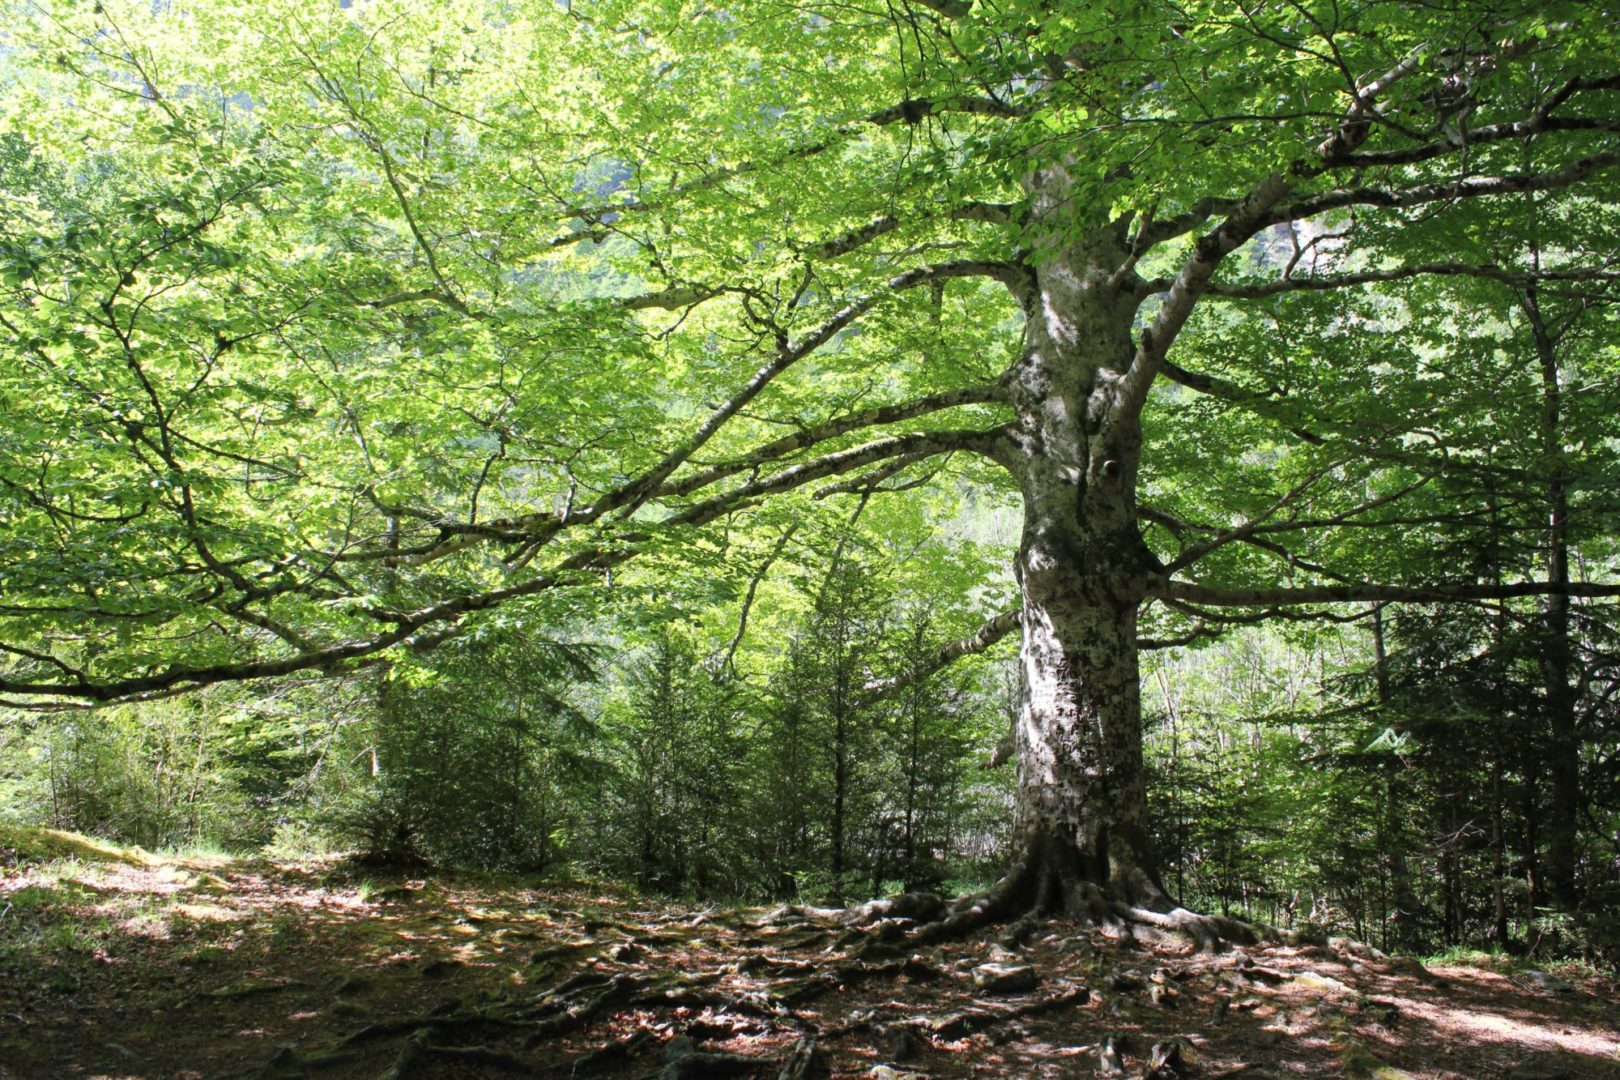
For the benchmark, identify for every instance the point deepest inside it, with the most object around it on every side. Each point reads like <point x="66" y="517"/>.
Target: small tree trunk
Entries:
<point x="1564" y="747"/>
<point x="1499" y="919"/>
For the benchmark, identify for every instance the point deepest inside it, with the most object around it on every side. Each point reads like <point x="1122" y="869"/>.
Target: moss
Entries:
<point x="47" y="845"/>
<point x="1359" y="1064"/>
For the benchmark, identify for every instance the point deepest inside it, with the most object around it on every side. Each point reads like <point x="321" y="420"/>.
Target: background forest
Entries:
<point x="1386" y="777"/>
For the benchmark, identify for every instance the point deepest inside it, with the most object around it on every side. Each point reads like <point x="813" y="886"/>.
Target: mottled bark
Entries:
<point x="1083" y="572"/>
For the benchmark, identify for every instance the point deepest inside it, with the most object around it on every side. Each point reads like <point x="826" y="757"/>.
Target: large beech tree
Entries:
<point x="336" y="330"/>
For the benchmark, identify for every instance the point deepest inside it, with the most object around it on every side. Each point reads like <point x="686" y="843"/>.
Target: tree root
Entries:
<point x="801" y="1060"/>
<point x="409" y="1055"/>
<point x="1035" y="888"/>
<point x="965" y="1022"/>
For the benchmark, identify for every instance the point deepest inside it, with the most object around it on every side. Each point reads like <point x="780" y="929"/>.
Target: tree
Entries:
<point x="312" y="311"/>
<point x="478" y="755"/>
<point x="680" y="757"/>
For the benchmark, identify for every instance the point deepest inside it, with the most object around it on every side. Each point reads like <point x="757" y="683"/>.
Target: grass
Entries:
<point x="1505" y="963"/>
<point x="53" y="913"/>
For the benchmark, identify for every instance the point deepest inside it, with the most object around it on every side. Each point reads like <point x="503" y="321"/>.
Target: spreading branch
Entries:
<point x="1518" y="279"/>
<point x="1466" y="187"/>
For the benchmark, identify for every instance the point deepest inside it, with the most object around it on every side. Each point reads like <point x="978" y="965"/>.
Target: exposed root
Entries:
<point x="409" y="1055"/>
<point x="1049" y="880"/>
<point x="966" y="1022"/>
<point x="1208" y="933"/>
<point x="613" y="1055"/>
<point x="801" y="1060"/>
<point x="764" y="994"/>
<point x="480" y="1055"/>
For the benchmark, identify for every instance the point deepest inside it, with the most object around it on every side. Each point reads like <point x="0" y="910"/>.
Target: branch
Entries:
<point x="1358" y="119"/>
<point x="1516" y="278"/>
<point x="1362" y="592"/>
<point x="1259" y="525"/>
<point x="406" y="625"/>
<point x="916" y="445"/>
<point x="951" y="9"/>
<point x="634" y="493"/>
<point x="981" y="639"/>
<point x="781" y="544"/>
<point x="915" y="110"/>
<point x="870" y="483"/>
<point x="807" y="437"/>
<point x="1157" y="232"/>
<point x="1463" y="188"/>
<point x="1491" y="133"/>
<point x="1189" y="285"/>
<point x="843" y="244"/>
<point x="1231" y="392"/>
<point x="628" y="498"/>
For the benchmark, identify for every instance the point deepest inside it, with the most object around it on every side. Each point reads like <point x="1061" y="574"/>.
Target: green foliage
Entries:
<point x="474" y="758"/>
<point x="672" y="818"/>
<point x="167" y="775"/>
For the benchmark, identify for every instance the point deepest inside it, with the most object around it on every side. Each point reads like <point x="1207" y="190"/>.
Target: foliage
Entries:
<point x="475" y="756"/>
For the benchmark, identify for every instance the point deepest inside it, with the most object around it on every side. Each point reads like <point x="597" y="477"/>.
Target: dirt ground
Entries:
<point x="134" y="966"/>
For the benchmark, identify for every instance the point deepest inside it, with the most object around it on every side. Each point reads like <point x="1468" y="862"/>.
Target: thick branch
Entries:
<point x="842" y="425"/>
<point x="1190" y="284"/>
<point x="916" y="445"/>
<point x="914" y="111"/>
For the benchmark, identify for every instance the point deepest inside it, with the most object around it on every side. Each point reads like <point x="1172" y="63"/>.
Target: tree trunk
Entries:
<point x="1564" y="744"/>
<point x="1082" y="801"/>
<point x="1083" y="571"/>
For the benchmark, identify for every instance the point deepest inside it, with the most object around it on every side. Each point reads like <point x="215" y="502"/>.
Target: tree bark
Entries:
<point x="1083" y="571"/>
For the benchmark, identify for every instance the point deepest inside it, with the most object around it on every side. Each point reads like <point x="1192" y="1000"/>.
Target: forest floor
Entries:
<point x="117" y="963"/>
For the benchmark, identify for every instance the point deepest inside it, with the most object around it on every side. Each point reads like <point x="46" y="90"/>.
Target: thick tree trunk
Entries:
<point x="1082" y="801"/>
<point x="1083" y="571"/>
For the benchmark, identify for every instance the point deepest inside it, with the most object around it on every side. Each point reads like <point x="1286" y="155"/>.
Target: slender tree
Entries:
<point x="342" y="331"/>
